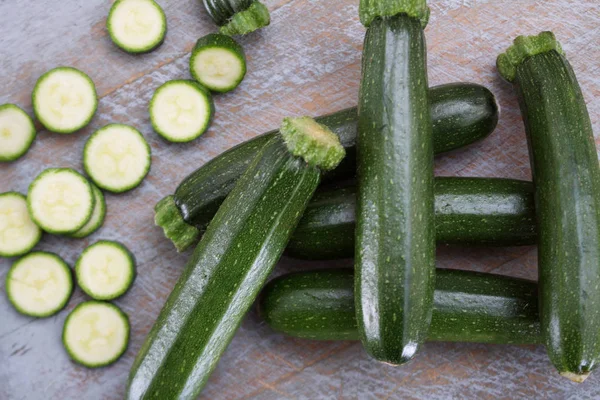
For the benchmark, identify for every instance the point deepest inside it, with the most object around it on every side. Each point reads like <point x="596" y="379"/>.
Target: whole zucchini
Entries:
<point x="468" y="211"/>
<point x="467" y="307"/>
<point x="232" y="262"/>
<point x="462" y="113"/>
<point x="566" y="176"/>
<point x="395" y="238"/>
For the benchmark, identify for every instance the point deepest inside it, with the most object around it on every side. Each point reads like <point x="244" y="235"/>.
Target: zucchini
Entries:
<point x="468" y="211"/>
<point x="254" y="17"/>
<point x="117" y="158"/>
<point x="463" y="113"/>
<point x="18" y="233"/>
<point x="96" y="334"/>
<point x="221" y="11"/>
<point x="64" y="100"/>
<point x="39" y="284"/>
<point x="566" y="175"/>
<point x="136" y="26"/>
<point x="395" y="237"/>
<point x="218" y="62"/>
<point x="232" y="262"/>
<point x="16" y="132"/>
<point x="467" y="307"/>
<point x="97" y="218"/>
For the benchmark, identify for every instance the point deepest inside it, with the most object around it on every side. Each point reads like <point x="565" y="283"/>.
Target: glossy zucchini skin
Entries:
<point x="567" y="179"/>
<point x="221" y="11"/>
<point x="224" y="275"/>
<point x="468" y="212"/>
<point x="395" y="238"/>
<point x="468" y="307"/>
<point x="470" y="117"/>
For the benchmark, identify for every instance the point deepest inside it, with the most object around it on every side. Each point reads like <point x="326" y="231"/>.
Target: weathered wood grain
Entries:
<point x="306" y="62"/>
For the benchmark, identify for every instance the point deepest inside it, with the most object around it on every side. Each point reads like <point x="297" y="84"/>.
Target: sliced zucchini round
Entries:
<point x="39" y="284"/>
<point x="137" y="26"/>
<point x="181" y="110"/>
<point x="96" y="334"/>
<point x="105" y="270"/>
<point x="64" y="100"/>
<point x="16" y="132"/>
<point x="97" y="218"/>
<point x="218" y="62"/>
<point x="60" y="200"/>
<point x="18" y="233"/>
<point x="117" y="158"/>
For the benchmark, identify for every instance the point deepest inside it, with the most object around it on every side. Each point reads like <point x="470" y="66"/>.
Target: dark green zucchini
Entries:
<point x="566" y="175"/>
<point x="468" y="211"/>
<point x="467" y="307"/>
<point x="395" y="237"/>
<point x="232" y="262"/>
<point x="462" y="113"/>
<point x="221" y="11"/>
<point x="237" y="17"/>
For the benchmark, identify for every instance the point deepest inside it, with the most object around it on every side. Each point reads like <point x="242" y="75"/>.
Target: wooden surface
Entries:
<point x="306" y="62"/>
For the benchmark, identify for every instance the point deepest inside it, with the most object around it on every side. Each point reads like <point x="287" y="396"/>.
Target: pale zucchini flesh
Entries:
<point x="137" y="26"/>
<point x="18" y="233"/>
<point x="39" y="284"/>
<point x="97" y="218"/>
<point x="218" y="62"/>
<point x="16" y="132"/>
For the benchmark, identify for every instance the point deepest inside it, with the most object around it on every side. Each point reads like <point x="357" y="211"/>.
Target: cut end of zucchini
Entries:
<point x="117" y="158"/>
<point x="218" y="62"/>
<point x="168" y="217"/>
<point x="181" y="110"/>
<point x="39" y="284"/>
<point x="64" y="100"/>
<point x="312" y="141"/>
<point x="577" y="378"/>
<point x="96" y="334"/>
<point x="522" y="48"/>
<point x="254" y="17"/>
<point x="18" y="233"/>
<point x="16" y="132"/>
<point x="97" y="218"/>
<point x="137" y="26"/>
<point x="368" y="10"/>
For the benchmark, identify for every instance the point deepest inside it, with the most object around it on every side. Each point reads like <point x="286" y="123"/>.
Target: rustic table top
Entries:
<point x="306" y="62"/>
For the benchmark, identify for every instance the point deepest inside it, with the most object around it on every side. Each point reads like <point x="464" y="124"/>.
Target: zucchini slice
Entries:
<point x="117" y="158"/>
<point x="39" y="284"/>
<point x="96" y="334"/>
<point x="97" y="218"/>
<point x="254" y="17"/>
<point x="16" y="132"/>
<point x="105" y="270"/>
<point x="18" y="233"/>
<point x="181" y="110"/>
<point x="64" y="100"/>
<point x="218" y="63"/>
<point x="137" y="26"/>
<point x="60" y="200"/>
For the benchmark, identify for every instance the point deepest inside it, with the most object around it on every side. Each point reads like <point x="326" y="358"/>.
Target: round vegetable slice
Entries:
<point x="105" y="270"/>
<point x="117" y="158"/>
<point x="181" y="110"/>
<point x="39" y="284"/>
<point x="18" y="233"/>
<point x="96" y="334"/>
<point x="60" y="200"/>
<point x="97" y="218"/>
<point x="64" y="100"/>
<point x="137" y="26"/>
<point x="16" y="132"/>
<point x="218" y="62"/>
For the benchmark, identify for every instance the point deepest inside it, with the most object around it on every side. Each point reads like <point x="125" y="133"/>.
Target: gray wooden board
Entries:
<point x="306" y="62"/>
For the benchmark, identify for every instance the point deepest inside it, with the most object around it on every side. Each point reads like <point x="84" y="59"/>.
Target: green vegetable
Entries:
<point x="137" y="26"/>
<point x="230" y="265"/>
<point x="462" y="113"/>
<point x="468" y="211"/>
<point x="567" y="181"/>
<point x="395" y="237"/>
<point x="467" y="307"/>
<point x="218" y="62"/>
<point x="254" y="17"/>
<point x="16" y="132"/>
<point x="97" y="218"/>
<point x="221" y="11"/>
<point x="368" y="10"/>
<point x="18" y="233"/>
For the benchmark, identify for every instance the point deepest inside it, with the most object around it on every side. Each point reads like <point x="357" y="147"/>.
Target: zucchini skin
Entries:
<point x="221" y="11"/>
<point x="567" y="179"/>
<point x="224" y="275"/>
<point x="395" y="239"/>
<point x="468" y="212"/>
<point x="472" y="116"/>
<point x="468" y="307"/>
